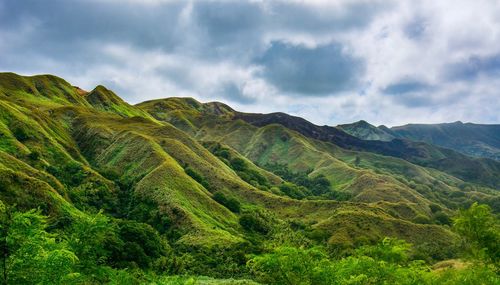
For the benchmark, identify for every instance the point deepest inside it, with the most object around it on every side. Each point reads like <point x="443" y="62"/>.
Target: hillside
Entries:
<point x="182" y="187"/>
<point x="471" y="139"/>
<point x="475" y="140"/>
<point x="366" y="131"/>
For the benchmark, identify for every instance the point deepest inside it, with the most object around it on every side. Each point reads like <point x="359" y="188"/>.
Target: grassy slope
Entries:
<point x="476" y="170"/>
<point x="149" y="156"/>
<point x="376" y="178"/>
<point x="365" y="131"/>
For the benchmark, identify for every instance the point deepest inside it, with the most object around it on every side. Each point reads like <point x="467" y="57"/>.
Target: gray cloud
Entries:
<point x="310" y="71"/>
<point x="473" y="67"/>
<point x="406" y="86"/>
<point x="329" y="61"/>
<point x="411" y="93"/>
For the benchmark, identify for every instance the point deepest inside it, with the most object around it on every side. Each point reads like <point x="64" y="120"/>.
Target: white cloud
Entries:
<point x="210" y="50"/>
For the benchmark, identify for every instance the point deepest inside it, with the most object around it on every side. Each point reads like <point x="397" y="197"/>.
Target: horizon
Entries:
<point x="330" y="63"/>
<point x="237" y="110"/>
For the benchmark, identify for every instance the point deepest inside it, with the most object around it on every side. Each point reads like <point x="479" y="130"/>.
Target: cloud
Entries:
<point x="315" y="71"/>
<point x="388" y="62"/>
<point x="405" y="87"/>
<point x="473" y="67"/>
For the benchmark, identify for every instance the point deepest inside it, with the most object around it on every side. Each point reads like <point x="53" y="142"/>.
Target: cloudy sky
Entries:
<point x="387" y="62"/>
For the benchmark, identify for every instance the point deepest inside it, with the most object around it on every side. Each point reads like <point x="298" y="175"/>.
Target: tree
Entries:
<point x="480" y="231"/>
<point x="31" y="255"/>
<point x="231" y="203"/>
<point x="90" y="237"/>
<point x="290" y="265"/>
<point x="357" y="160"/>
<point x="238" y="164"/>
<point x="254" y="223"/>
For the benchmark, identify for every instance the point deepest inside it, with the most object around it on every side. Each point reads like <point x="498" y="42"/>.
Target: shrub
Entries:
<point x="34" y="155"/>
<point x="442" y="218"/>
<point x="231" y="203"/>
<point x="421" y="219"/>
<point x="20" y="134"/>
<point x="252" y="222"/>
<point x="197" y="177"/>
<point x="238" y="164"/>
<point x="293" y="191"/>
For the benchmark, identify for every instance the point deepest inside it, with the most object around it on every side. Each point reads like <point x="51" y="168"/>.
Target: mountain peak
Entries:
<point x="366" y="131"/>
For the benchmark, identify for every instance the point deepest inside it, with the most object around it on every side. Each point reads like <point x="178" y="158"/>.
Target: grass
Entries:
<point x="146" y="148"/>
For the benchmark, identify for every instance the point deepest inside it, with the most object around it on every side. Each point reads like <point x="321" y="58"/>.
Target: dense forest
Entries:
<point x="98" y="249"/>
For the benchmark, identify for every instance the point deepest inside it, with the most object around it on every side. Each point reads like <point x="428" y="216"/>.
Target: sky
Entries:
<point x="331" y="62"/>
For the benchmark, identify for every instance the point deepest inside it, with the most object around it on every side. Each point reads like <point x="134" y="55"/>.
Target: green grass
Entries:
<point x="96" y="152"/>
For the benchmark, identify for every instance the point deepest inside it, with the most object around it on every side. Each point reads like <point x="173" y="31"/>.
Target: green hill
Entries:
<point x="183" y="187"/>
<point x="471" y="139"/>
<point x="365" y="131"/>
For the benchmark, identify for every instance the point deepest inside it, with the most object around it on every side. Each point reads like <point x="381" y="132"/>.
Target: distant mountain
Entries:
<point x="480" y="170"/>
<point x="471" y="139"/>
<point x="366" y="131"/>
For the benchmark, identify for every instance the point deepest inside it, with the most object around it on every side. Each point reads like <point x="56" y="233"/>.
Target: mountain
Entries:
<point x="471" y="139"/>
<point x="366" y="131"/>
<point x="185" y="187"/>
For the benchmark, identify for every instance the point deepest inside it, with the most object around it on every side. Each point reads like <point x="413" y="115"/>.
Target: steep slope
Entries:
<point x="366" y="131"/>
<point x="471" y="139"/>
<point x="368" y="177"/>
<point x="75" y="154"/>
<point x="482" y="171"/>
<point x="104" y="99"/>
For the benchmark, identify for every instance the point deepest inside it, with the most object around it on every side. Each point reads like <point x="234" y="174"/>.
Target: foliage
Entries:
<point x="385" y="263"/>
<point x="288" y="265"/>
<point x="90" y="237"/>
<point x="30" y="254"/>
<point x="71" y="173"/>
<point x="294" y="191"/>
<point x="300" y="185"/>
<point x="140" y="245"/>
<point x="480" y="231"/>
<point x="197" y="177"/>
<point x="253" y="221"/>
<point x="231" y="203"/>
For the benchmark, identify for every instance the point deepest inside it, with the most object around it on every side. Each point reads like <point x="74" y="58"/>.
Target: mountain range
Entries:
<point x="204" y="175"/>
<point x="471" y="139"/>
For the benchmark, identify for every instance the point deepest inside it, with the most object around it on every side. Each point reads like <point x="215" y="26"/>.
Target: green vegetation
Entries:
<point x="94" y="190"/>
<point x="480" y="231"/>
<point x="302" y="185"/>
<point x="231" y="203"/>
<point x="388" y="262"/>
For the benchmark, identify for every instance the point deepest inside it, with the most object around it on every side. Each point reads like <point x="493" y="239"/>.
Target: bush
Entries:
<point x="197" y="177"/>
<point x="34" y="155"/>
<point x="231" y="203"/>
<point x="20" y="134"/>
<point x="141" y="245"/>
<point x="421" y="219"/>
<point x="252" y="222"/>
<point x="293" y="191"/>
<point x="442" y="218"/>
<point x="238" y="164"/>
